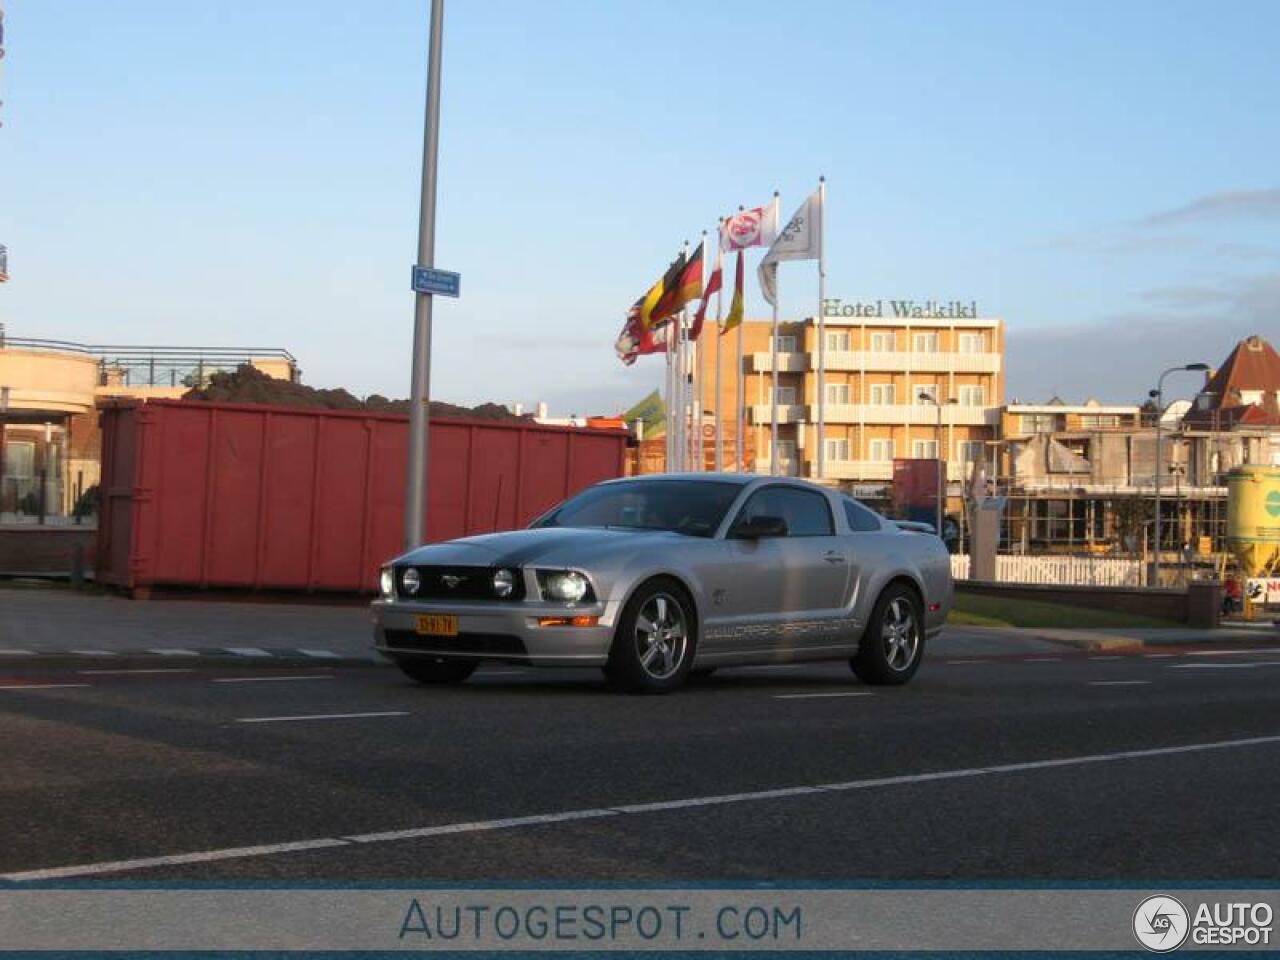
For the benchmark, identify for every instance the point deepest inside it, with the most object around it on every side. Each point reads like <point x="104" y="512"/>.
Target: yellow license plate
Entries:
<point x="436" y="625"/>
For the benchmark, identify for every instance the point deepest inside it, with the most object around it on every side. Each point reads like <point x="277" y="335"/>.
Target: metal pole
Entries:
<point x="415" y="508"/>
<point x="822" y="330"/>
<point x="773" y="354"/>
<point x="942" y="469"/>
<point x="718" y="406"/>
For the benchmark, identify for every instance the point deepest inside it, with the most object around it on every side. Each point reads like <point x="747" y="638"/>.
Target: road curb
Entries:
<point x="142" y="660"/>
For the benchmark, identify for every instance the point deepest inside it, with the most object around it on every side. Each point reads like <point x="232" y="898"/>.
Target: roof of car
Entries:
<point x="741" y="479"/>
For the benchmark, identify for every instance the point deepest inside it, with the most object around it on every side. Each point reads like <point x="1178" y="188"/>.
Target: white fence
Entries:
<point x="1077" y="571"/>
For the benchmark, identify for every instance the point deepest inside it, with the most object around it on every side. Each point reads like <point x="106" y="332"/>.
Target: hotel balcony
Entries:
<point x="901" y="361"/>
<point x="787" y="413"/>
<point x="913" y="414"/>
<point x="789" y="362"/>
<point x="857" y="470"/>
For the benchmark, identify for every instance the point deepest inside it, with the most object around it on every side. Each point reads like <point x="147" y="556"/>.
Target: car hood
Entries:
<point x="544" y="546"/>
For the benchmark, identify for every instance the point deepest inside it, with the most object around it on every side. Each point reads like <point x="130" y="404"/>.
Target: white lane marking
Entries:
<point x="1041" y="659"/>
<point x="1160" y="656"/>
<point x="315" y="676"/>
<point x="204" y="856"/>
<point x="233" y="853"/>
<point x="173" y="652"/>
<point x="93" y="673"/>
<point x="94" y="653"/>
<point x="1224" y="666"/>
<point x="818" y="696"/>
<point x="247" y="651"/>
<point x="42" y="686"/>
<point x="323" y="716"/>
<point x="1231" y="653"/>
<point x="327" y="654"/>
<point x="1109" y="657"/>
<point x="16" y="653"/>
<point x="1118" y="683"/>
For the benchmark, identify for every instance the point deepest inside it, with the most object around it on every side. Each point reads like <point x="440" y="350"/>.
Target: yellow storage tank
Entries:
<point x="1253" y="519"/>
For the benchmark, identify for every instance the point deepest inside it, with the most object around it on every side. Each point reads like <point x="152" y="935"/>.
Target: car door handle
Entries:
<point x="833" y="557"/>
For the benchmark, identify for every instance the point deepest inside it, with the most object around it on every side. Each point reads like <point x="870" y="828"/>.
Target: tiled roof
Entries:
<point x="1252" y="366"/>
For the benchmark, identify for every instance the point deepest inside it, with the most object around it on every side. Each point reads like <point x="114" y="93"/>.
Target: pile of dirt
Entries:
<point x="248" y="384"/>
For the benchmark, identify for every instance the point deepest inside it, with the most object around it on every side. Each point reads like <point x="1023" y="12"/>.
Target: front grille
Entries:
<point x="486" y="644"/>
<point x="458" y="583"/>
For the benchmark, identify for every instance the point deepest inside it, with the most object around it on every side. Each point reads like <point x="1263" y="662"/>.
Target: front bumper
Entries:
<point x="505" y="632"/>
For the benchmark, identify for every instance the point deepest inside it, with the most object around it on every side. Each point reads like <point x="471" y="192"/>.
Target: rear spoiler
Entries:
<point x="912" y="526"/>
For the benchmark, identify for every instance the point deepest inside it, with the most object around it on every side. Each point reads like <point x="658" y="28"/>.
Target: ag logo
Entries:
<point x="450" y="581"/>
<point x="1273" y="503"/>
<point x="1161" y="923"/>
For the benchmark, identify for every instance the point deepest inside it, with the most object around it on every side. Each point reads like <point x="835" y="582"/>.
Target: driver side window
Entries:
<point x="807" y="513"/>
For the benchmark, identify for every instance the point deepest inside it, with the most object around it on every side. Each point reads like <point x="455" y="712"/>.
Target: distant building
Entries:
<point x="922" y="387"/>
<point x="49" y="440"/>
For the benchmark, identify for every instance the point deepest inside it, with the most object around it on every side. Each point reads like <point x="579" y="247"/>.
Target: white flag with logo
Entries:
<point x="755" y="227"/>
<point x="799" y="240"/>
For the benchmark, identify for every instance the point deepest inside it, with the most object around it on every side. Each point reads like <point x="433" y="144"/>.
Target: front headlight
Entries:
<point x="504" y="582"/>
<point x="568" y="586"/>
<point x="410" y="581"/>
<point x="387" y="582"/>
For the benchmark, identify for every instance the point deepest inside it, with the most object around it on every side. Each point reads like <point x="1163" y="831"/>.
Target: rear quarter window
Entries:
<point x="860" y="519"/>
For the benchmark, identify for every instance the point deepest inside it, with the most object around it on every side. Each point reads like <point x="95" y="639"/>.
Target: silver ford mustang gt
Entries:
<point x="656" y="577"/>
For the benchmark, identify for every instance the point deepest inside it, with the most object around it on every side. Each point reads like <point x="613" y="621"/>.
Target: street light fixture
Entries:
<point x="1159" y="398"/>
<point x="926" y="397"/>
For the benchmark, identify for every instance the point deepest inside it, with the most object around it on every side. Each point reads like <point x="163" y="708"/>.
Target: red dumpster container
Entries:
<point x="262" y="497"/>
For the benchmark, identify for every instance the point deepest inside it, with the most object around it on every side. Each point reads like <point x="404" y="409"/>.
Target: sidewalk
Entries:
<point x="1260" y="634"/>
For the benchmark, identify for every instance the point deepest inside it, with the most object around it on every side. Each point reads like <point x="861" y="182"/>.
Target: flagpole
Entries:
<point x="719" y="407"/>
<point x="773" y="361"/>
<point x="671" y="402"/>
<point x="822" y="330"/>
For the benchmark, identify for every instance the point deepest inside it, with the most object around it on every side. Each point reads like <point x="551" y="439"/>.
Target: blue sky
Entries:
<point x="1102" y="175"/>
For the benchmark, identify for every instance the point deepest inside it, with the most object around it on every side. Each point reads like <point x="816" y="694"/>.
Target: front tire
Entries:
<point x="893" y="644"/>
<point x="437" y="672"/>
<point x="653" y="647"/>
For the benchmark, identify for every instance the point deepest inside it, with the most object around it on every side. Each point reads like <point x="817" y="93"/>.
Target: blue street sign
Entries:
<point x="442" y="283"/>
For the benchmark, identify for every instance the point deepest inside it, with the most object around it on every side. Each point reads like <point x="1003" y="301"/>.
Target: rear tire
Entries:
<point x="653" y="647"/>
<point x="893" y="644"/>
<point x="437" y="672"/>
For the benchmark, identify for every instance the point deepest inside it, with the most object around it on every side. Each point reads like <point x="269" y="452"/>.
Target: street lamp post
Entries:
<point x="1159" y="395"/>
<point x="940" y="493"/>
<point x="415" y="508"/>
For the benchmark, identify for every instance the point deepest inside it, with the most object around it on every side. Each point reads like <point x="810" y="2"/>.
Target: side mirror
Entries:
<point x="757" y="528"/>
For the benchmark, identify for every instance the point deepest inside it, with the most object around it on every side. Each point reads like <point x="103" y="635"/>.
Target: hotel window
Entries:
<point x="881" y="450"/>
<point x="838" y="342"/>
<point x="924" y="449"/>
<point x="973" y="396"/>
<point x="970" y="451"/>
<point x="882" y="394"/>
<point x="929" y="390"/>
<point x="1099" y="420"/>
<point x="925" y="343"/>
<point x="837" y="393"/>
<point x="882" y="342"/>
<point x="1036" y="423"/>
<point x="973" y="343"/>
<point x="786" y="451"/>
<point x="786" y="344"/>
<point x="786" y="396"/>
<point x="837" y="449"/>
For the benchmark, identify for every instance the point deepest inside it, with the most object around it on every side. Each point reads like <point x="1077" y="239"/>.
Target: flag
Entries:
<point x="735" y="308"/>
<point x="713" y="285"/>
<point x="682" y="283"/>
<point x="755" y="227"/>
<point x="652" y="412"/>
<point x="797" y="241"/>
<point x="4" y="263"/>
<point x="636" y="339"/>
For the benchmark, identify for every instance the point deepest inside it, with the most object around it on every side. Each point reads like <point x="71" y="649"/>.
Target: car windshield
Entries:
<point x="691" y="507"/>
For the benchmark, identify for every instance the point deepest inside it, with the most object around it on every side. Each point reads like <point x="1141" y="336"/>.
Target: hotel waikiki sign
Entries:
<point x="902" y="309"/>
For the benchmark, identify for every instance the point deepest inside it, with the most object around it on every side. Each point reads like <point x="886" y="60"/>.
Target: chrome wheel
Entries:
<point x="900" y="634"/>
<point x="661" y="636"/>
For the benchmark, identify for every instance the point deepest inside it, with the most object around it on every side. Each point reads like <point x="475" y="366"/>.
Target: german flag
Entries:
<point x="668" y="290"/>
<point x="734" y="318"/>
<point x="682" y="285"/>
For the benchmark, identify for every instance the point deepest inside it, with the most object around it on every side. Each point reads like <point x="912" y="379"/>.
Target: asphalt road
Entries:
<point x="1158" y="765"/>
